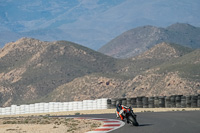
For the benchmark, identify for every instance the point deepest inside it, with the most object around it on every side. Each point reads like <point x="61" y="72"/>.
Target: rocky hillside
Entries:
<point x="149" y="83"/>
<point x="157" y="55"/>
<point x="36" y="71"/>
<point x="138" y="40"/>
<point x="30" y="69"/>
<point x="175" y="71"/>
<point x="178" y="76"/>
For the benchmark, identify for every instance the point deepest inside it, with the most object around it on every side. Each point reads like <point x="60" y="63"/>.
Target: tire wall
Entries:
<point x="198" y="101"/>
<point x="151" y="102"/>
<point x="174" y="101"/>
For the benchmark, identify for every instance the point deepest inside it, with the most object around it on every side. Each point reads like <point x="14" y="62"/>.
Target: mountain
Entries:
<point x="157" y="55"/>
<point x="91" y="23"/>
<point x="148" y="75"/>
<point x="36" y="71"/>
<point x="138" y="40"/>
<point x="180" y="76"/>
<point x="30" y="69"/>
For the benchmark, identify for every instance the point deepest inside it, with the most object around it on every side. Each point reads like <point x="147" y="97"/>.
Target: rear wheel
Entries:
<point x="133" y="121"/>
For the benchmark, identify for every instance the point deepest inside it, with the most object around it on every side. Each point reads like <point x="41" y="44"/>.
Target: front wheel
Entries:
<point x="133" y="121"/>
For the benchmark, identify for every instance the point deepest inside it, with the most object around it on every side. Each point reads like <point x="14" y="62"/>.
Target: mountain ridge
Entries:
<point x="138" y="40"/>
<point x="90" y="23"/>
<point x="30" y="68"/>
<point x="36" y="71"/>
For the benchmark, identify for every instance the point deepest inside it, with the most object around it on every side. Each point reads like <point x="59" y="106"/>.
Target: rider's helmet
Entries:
<point x="119" y="105"/>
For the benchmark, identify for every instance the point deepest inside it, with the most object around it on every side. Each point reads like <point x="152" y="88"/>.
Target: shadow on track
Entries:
<point x="143" y="125"/>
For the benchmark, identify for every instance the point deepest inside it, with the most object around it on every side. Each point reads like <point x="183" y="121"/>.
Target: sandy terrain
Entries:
<point x="31" y="123"/>
<point x="47" y="125"/>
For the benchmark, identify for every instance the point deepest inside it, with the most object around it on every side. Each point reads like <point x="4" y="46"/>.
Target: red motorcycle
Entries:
<point x="129" y="115"/>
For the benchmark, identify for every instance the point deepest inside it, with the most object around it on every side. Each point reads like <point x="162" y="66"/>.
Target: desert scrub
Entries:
<point x="71" y="125"/>
<point x="68" y="119"/>
<point x="26" y="121"/>
<point x="74" y="124"/>
<point x="73" y="120"/>
<point x="77" y="113"/>
<point x="94" y="125"/>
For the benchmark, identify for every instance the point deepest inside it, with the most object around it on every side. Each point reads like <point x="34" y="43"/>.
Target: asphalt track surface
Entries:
<point x="159" y="122"/>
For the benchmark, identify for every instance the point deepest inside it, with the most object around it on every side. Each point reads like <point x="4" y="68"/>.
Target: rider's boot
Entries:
<point x="117" y="115"/>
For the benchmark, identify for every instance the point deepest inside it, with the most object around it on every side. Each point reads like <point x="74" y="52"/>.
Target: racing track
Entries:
<point x="165" y="122"/>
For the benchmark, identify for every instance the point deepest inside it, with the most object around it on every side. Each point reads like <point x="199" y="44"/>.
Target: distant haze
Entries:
<point x="140" y="39"/>
<point x="91" y="23"/>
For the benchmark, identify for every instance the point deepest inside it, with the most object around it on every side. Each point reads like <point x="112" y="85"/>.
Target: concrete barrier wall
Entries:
<point x="175" y="101"/>
<point x="56" y="107"/>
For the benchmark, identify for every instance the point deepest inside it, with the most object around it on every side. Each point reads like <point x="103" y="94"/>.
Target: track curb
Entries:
<point x="108" y="126"/>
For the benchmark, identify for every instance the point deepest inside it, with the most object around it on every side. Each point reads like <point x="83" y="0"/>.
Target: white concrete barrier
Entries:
<point x="8" y="111"/>
<point x="55" y="107"/>
<point x="60" y="107"/>
<point x="32" y="108"/>
<point x="70" y="105"/>
<point x="80" y="105"/>
<point x="51" y="107"/>
<point x="13" y="109"/>
<point x="3" y="111"/>
<point x="65" y="106"/>
<point x="46" y="107"/>
<point x="27" y="109"/>
<point x="17" y="110"/>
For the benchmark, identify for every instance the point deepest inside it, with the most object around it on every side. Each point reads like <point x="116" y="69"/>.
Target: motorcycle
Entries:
<point x="129" y="115"/>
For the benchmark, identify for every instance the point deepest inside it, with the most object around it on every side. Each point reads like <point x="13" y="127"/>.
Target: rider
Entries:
<point x="125" y="112"/>
<point x="120" y="110"/>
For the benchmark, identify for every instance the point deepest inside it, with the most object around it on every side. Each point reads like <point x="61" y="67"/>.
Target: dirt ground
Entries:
<point x="47" y="125"/>
<point x="41" y="123"/>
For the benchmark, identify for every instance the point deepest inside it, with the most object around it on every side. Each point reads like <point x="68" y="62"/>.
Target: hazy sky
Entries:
<point x="90" y="22"/>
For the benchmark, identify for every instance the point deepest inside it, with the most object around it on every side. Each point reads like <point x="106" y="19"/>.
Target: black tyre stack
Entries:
<point x="173" y="101"/>
<point x="178" y="101"/>
<point x="194" y="101"/>
<point x="198" y="101"/>
<point x="167" y="102"/>
<point x="124" y="101"/>
<point x="161" y="102"/>
<point x="113" y="103"/>
<point x="109" y="106"/>
<point x="156" y="102"/>
<point x="151" y="102"/>
<point x="145" y="102"/>
<point x="134" y="102"/>
<point x="188" y="101"/>
<point x="183" y="101"/>
<point x="139" y="102"/>
<point x="128" y="102"/>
